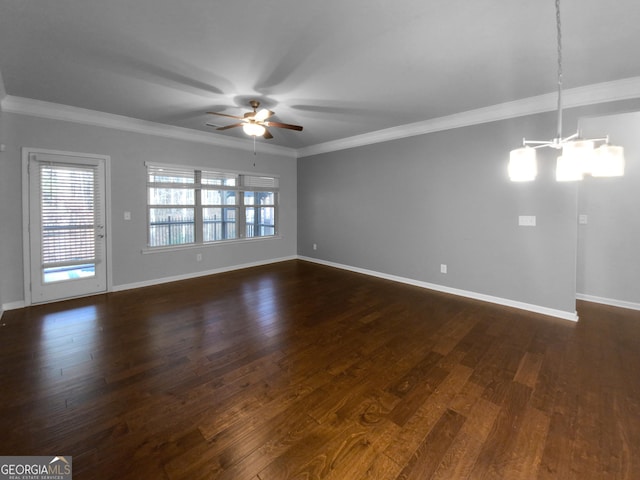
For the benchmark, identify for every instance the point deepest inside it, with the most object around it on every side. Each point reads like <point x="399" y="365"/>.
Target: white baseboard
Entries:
<point x="187" y="276"/>
<point x="573" y="316"/>
<point x="157" y="281"/>
<point x="608" y="301"/>
<point x="12" y="306"/>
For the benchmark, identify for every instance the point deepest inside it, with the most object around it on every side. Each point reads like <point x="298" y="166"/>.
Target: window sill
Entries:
<point x="192" y="246"/>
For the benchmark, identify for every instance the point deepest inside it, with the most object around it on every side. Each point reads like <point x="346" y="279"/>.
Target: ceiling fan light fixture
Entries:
<point x="254" y="123"/>
<point x="523" y="165"/>
<point x="253" y="129"/>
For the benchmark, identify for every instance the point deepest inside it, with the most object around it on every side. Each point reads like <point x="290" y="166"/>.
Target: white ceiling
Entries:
<point x="340" y="68"/>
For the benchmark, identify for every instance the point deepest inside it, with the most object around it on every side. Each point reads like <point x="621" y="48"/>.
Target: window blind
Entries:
<point x="169" y="175"/>
<point x="68" y="214"/>
<point x="260" y="182"/>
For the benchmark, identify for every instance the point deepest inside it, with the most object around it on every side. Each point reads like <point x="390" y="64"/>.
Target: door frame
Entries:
<point x="26" y="204"/>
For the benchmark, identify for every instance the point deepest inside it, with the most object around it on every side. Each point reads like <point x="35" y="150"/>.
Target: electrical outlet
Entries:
<point x="527" y="220"/>
<point x="198" y="257"/>
<point x="443" y="268"/>
<point x="315" y="246"/>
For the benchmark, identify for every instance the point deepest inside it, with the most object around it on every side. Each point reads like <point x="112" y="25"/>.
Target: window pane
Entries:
<point x="187" y="204"/>
<point x="218" y="197"/>
<point x="219" y="224"/>
<point x="259" y="198"/>
<point x="260" y="221"/>
<point x="219" y="178"/>
<point x="168" y="175"/>
<point x="171" y="226"/>
<point x="171" y="196"/>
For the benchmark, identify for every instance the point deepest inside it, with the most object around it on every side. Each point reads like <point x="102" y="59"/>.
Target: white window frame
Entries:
<point x="244" y="182"/>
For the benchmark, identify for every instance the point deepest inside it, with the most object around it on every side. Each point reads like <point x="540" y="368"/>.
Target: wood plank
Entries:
<point x="496" y="454"/>
<point x="467" y="445"/>
<point x="528" y="447"/>
<point x="428" y="455"/>
<point x="528" y="370"/>
<point x="420" y="424"/>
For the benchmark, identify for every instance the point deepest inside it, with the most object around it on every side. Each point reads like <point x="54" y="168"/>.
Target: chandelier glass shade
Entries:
<point x="608" y="161"/>
<point x="579" y="156"/>
<point x="522" y="165"/>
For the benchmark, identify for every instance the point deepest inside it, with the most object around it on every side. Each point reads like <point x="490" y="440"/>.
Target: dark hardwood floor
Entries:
<point x="300" y="371"/>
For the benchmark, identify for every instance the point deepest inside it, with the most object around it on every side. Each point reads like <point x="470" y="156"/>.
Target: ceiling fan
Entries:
<point x="255" y="123"/>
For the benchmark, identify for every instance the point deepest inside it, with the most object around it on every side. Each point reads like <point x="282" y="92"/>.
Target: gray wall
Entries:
<point x="404" y="207"/>
<point x="128" y="153"/>
<point x="609" y="244"/>
<point x="5" y="209"/>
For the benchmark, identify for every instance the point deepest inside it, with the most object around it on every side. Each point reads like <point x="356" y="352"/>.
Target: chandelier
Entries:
<point x="579" y="156"/>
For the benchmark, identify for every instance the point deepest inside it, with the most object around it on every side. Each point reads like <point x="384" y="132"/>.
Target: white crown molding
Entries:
<point x="55" y="111"/>
<point x="605" y="92"/>
<point x="572" y="316"/>
<point x="624" y="89"/>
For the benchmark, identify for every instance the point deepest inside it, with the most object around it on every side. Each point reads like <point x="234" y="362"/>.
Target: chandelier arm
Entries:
<point x="542" y="143"/>
<point x="569" y="138"/>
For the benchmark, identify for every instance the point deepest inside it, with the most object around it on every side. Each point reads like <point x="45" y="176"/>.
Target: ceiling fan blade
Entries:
<point x="267" y="134"/>
<point x="227" y="127"/>
<point x="283" y="125"/>
<point x="262" y="115"/>
<point x="225" y="115"/>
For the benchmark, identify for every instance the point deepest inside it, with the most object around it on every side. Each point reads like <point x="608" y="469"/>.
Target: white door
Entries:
<point x="66" y="226"/>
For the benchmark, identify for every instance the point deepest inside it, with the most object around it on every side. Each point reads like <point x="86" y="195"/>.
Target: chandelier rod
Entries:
<point x="559" y="40"/>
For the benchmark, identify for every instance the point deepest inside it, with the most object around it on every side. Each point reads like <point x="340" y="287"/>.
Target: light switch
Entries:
<point x="527" y="220"/>
<point x="127" y="215"/>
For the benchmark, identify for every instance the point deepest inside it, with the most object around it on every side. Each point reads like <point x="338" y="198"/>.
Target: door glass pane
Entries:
<point x="67" y="195"/>
<point x="57" y="274"/>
